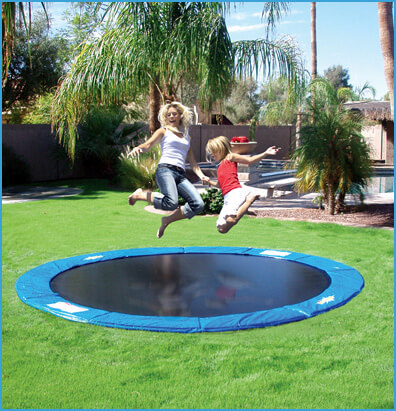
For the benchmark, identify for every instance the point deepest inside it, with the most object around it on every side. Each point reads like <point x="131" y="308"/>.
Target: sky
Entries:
<point x="347" y="35"/>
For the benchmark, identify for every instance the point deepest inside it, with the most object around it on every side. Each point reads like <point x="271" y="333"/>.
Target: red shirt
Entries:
<point x="227" y="176"/>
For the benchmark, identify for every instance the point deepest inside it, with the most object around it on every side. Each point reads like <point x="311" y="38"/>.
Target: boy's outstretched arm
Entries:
<point x="243" y="159"/>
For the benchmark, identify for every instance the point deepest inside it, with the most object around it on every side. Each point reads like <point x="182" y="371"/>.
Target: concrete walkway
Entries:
<point x="290" y="199"/>
<point x="285" y="199"/>
<point x="22" y="194"/>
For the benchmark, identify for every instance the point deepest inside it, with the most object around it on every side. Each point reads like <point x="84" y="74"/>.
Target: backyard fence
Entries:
<point x="39" y="149"/>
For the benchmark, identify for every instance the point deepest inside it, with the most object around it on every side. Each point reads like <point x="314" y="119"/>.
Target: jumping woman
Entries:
<point x="170" y="175"/>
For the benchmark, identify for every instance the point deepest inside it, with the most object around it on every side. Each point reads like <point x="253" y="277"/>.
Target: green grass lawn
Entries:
<point x="339" y="359"/>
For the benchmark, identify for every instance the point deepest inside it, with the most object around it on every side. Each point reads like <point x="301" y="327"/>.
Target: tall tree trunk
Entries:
<point x="330" y="199"/>
<point x="314" y="60"/>
<point x="155" y="104"/>
<point x="298" y="128"/>
<point x="385" y="19"/>
<point x="340" y="204"/>
<point x="8" y="31"/>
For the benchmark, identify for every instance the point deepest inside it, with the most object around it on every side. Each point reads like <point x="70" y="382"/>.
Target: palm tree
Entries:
<point x="10" y="10"/>
<point x="273" y="113"/>
<point x="291" y="106"/>
<point x="273" y="11"/>
<point x="8" y="32"/>
<point x="314" y="58"/>
<point x="361" y="92"/>
<point x="153" y="47"/>
<point x="385" y="18"/>
<point x="333" y="157"/>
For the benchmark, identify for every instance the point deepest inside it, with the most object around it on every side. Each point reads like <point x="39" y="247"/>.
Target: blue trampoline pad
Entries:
<point x="189" y="289"/>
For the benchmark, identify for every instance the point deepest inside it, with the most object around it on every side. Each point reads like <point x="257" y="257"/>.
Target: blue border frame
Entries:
<point x="33" y="288"/>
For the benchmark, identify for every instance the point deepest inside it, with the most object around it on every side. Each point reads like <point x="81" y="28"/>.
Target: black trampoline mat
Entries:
<point x="190" y="285"/>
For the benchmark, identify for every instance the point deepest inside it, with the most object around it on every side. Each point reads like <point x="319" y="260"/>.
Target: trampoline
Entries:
<point x="189" y="289"/>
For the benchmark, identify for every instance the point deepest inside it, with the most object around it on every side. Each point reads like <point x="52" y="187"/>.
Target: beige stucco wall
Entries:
<point x="373" y="137"/>
<point x="381" y="140"/>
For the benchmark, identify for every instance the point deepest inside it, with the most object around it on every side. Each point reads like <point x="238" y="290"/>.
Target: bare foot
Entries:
<point x="132" y="198"/>
<point x="231" y="219"/>
<point x="161" y="230"/>
<point x="252" y="198"/>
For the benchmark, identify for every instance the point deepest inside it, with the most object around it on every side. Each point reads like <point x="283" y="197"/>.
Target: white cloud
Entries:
<point x="296" y="12"/>
<point x="286" y="22"/>
<point x="281" y="21"/>
<point x="239" y="16"/>
<point x="235" y="29"/>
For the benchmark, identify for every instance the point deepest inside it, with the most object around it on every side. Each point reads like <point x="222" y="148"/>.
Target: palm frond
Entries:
<point x="273" y="11"/>
<point x="270" y="57"/>
<point x="361" y="91"/>
<point x="158" y="43"/>
<point x="9" y="17"/>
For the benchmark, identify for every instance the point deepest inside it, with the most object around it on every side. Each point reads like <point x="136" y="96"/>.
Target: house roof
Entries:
<point x="372" y="110"/>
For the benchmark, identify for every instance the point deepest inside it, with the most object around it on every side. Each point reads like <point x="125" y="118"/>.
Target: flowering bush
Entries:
<point x="240" y="139"/>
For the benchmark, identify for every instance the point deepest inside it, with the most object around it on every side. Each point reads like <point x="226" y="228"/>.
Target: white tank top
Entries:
<point x="174" y="149"/>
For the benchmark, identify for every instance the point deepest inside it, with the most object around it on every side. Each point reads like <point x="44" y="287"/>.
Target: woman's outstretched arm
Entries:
<point x="147" y="145"/>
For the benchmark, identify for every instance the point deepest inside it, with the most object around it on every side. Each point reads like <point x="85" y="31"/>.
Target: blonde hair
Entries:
<point x="219" y="145"/>
<point x="185" y="113"/>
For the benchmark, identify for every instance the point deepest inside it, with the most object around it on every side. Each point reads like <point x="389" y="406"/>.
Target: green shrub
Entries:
<point x="40" y="112"/>
<point x="138" y="172"/>
<point x="100" y="138"/>
<point x="213" y="200"/>
<point x="15" y="170"/>
<point x="333" y="157"/>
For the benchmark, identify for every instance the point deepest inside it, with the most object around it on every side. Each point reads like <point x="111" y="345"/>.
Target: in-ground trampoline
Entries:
<point x="189" y="289"/>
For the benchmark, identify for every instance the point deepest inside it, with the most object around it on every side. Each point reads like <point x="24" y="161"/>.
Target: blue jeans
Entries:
<point x="172" y="182"/>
